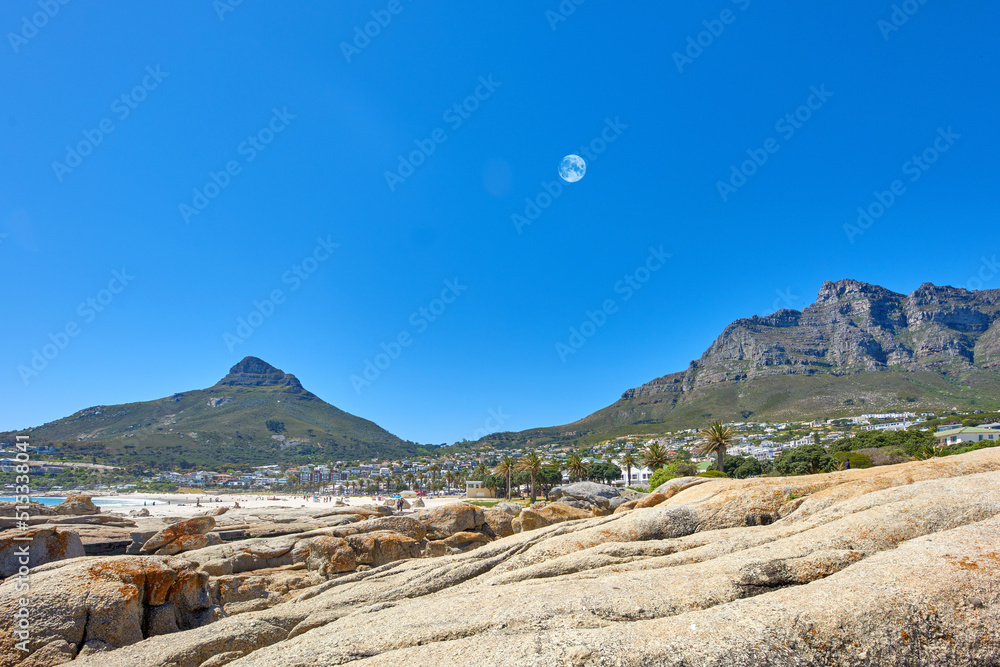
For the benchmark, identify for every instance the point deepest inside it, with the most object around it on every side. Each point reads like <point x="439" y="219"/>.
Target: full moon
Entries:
<point x="572" y="168"/>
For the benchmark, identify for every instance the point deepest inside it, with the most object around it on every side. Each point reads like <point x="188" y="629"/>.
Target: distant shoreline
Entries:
<point x="184" y="505"/>
<point x="191" y="504"/>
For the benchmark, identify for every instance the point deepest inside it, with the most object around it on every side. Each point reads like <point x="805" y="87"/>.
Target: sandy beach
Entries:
<point x="185" y="505"/>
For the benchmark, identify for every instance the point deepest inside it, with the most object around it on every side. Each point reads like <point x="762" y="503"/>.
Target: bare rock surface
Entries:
<point x="533" y="519"/>
<point x="888" y="566"/>
<point x="76" y="509"/>
<point x="97" y="604"/>
<point x="274" y="522"/>
<point x="36" y="546"/>
<point x="178" y="534"/>
<point x="77" y="505"/>
<point x="585" y="490"/>
<point x="499" y="522"/>
<point x="510" y="508"/>
<point x="450" y="519"/>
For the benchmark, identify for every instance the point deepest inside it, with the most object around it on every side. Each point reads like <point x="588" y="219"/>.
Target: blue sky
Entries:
<point x="291" y="134"/>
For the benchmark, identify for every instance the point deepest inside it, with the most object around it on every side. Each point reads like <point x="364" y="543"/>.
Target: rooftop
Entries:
<point x="966" y="430"/>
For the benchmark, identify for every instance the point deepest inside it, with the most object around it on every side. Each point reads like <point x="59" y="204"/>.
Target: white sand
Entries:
<point x="185" y="505"/>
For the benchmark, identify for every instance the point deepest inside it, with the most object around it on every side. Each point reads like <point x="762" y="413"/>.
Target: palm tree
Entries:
<point x="576" y="466"/>
<point x="654" y="456"/>
<point x="505" y="468"/>
<point x="409" y="479"/>
<point x="434" y="470"/>
<point x="929" y="453"/>
<point x="718" y="438"/>
<point x="628" y="461"/>
<point x="491" y="484"/>
<point x="480" y="471"/>
<point x="530" y="463"/>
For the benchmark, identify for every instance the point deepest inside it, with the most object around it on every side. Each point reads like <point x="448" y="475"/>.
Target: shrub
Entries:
<point x="910" y="441"/>
<point x="669" y="472"/>
<point x="804" y="460"/>
<point x="884" y="456"/>
<point x="713" y="473"/>
<point x="856" y="459"/>
<point x="739" y="467"/>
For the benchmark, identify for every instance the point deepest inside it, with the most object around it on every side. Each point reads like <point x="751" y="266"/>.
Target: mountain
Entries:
<point x="859" y="348"/>
<point x="256" y="414"/>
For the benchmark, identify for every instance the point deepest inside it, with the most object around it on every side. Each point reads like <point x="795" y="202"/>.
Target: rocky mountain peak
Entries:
<point x="840" y="290"/>
<point x="853" y="327"/>
<point x="254" y="372"/>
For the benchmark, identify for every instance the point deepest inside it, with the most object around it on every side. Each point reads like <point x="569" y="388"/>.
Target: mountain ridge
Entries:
<point x="255" y="414"/>
<point x="857" y="348"/>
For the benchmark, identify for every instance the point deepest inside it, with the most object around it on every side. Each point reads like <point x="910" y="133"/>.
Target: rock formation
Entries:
<point x="77" y="505"/>
<point x="884" y="566"/>
<point x="856" y="326"/>
<point x="254" y="372"/>
<point x="85" y="605"/>
<point x="941" y="343"/>
<point x="895" y="565"/>
<point x="44" y="545"/>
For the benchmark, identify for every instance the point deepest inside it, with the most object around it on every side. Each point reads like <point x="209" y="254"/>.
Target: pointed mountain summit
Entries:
<point x="257" y="414"/>
<point x="254" y="372"/>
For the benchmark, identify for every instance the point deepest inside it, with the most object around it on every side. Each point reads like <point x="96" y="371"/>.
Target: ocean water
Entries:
<point x="44" y="501"/>
<point x="100" y="502"/>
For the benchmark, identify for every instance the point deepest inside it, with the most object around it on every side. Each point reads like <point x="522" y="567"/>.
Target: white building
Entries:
<point x="968" y="434"/>
<point x="640" y="476"/>
<point x="894" y="426"/>
<point x="864" y="419"/>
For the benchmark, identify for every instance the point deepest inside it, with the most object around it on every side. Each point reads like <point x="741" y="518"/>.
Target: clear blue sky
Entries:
<point x="198" y="86"/>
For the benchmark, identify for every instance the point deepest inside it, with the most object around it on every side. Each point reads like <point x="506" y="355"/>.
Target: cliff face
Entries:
<point x="254" y="372"/>
<point x="852" y="328"/>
